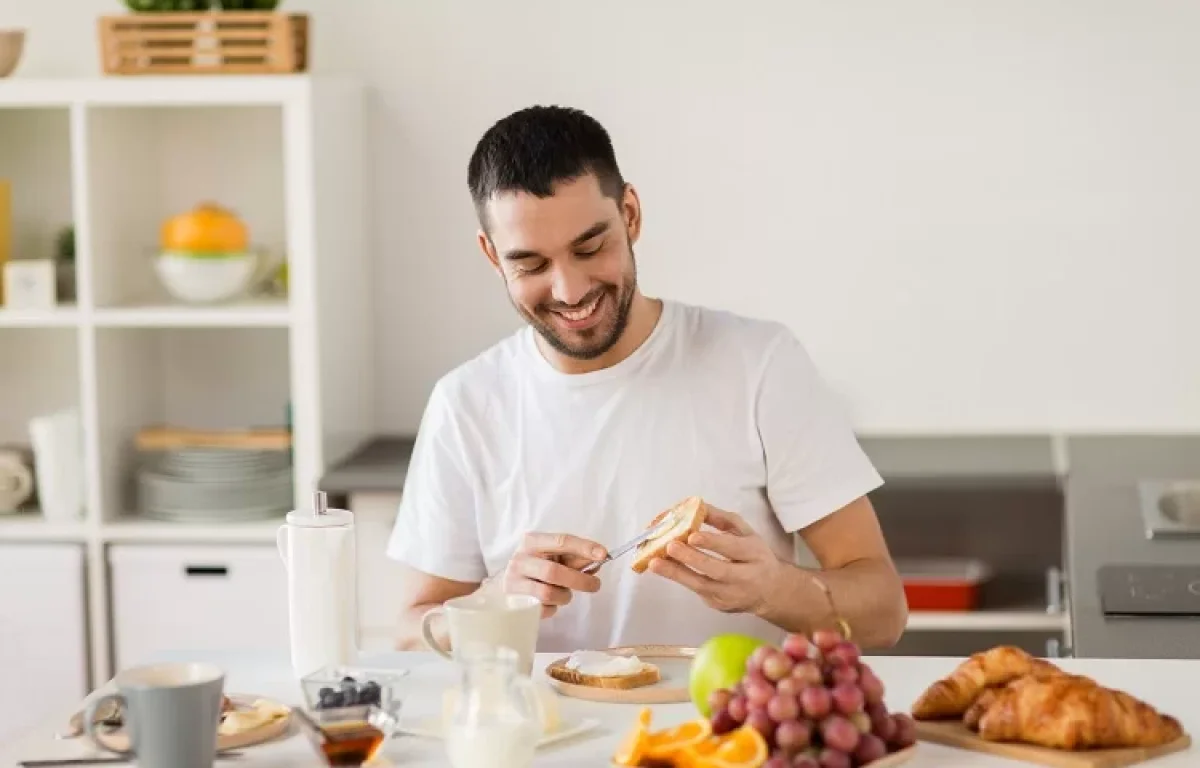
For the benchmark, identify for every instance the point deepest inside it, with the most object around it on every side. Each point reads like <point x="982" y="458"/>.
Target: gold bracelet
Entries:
<point x="842" y="624"/>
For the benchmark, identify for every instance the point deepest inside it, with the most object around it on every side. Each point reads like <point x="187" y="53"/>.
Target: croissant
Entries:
<point x="1072" y="713"/>
<point x="951" y="696"/>
<point x="983" y="702"/>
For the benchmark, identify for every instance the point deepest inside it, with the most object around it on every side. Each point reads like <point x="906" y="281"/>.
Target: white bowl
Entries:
<point x="205" y="280"/>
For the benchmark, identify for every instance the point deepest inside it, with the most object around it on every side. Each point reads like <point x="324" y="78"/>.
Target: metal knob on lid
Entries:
<point x="321" y="503"/>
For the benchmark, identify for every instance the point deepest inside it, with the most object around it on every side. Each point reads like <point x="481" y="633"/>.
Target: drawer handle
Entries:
<point x="206" y="570"/>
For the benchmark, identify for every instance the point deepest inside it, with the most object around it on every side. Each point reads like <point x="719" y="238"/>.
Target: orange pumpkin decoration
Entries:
<point x="207" y="229"/>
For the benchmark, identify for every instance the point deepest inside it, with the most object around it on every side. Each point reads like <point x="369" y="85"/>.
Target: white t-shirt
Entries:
<point x="711" y="404"/>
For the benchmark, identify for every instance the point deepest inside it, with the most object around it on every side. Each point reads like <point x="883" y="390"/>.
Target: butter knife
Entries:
<point x="650" y="533"/>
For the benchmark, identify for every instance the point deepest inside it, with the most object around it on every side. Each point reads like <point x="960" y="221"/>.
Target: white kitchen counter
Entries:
<point x="1169" y="685"/>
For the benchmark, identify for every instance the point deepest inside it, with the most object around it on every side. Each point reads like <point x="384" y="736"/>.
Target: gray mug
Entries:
<point x="170" y="713"/>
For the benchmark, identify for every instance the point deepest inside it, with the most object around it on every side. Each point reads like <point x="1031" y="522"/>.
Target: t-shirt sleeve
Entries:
<point x="815" y="464"/>
<point x="435" y="530"/>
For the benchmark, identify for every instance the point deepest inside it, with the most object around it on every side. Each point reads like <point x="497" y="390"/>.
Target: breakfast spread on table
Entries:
<point x="810" y="703"/>
<point x="1007" y="701"/>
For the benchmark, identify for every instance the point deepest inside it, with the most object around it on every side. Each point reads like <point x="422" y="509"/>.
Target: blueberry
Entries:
<point x="370" y="694"/>
<point x="329" y="699"/>
<point x="326" y="691"/>
<point x="347" y="680"/>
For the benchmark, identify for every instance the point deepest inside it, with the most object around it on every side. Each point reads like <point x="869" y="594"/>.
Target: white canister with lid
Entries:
<point x="317" y="547"/>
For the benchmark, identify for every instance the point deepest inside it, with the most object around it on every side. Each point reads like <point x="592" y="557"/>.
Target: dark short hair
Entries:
<point x="536" y="147"/>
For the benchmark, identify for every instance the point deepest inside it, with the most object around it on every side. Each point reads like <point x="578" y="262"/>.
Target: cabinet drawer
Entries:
<point x="189" y="598"/>
<point x="43" y="647"/>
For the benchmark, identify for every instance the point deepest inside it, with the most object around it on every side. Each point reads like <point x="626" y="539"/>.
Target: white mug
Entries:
<point x="491" y="619"/>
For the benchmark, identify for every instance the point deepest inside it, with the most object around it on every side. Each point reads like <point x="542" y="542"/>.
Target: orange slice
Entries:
<point x="666" y="744"/>
<point x="696" y="755"/>
<point x="634" y="745"/>
<point x="741" y="748"/>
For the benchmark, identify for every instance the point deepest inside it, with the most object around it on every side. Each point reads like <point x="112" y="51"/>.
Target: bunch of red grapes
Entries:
<point x="816" y="704"/>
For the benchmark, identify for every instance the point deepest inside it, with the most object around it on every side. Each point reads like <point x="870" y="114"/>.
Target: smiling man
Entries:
<point x="569" y="436"/>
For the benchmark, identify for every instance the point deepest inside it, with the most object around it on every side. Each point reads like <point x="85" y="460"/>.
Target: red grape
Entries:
<point x="872" y="686"/>
<point x="906" y="731"/>
<point x="723" y="722"/>
<point x="826" y="639"/>
<point x="816" y="702"/>
<point x="753" y="677"/>
<point x="796" y="646"/>
<point x="719" y="699"/>
<point x="806" y="761"/>
<point x="843" y="674"/>
<point x="848" y="698"/>
<point x="778" y="761"/>
<point x="737" y="709"/>
<point x="777" y="666"/>
<point x="844" y="652"/>
<point x="793" y="736"/>
<point x="790" y="686"/>
<point x="763" y="724"/>
<point x="831" y="758"/>
<point x="807" y="673"/>
<point x="861" y="721"/>
<point x="882" y="724"/>
<point x="755" y="662"/>
<point x="870" y="748"/>
<point x="759" y="691"/>
<point x="839" y="733"/>
<point x="783" y="707"/>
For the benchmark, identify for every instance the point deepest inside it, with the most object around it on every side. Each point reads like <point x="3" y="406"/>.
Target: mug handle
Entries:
<point x="89" y="716"/>
<point x="427" y="631"/>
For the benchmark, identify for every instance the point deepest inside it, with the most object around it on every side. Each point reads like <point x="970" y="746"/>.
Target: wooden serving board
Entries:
<point x="953" y="733"/>
<point x="673" y="662"/>
<point x="117" y="739"/>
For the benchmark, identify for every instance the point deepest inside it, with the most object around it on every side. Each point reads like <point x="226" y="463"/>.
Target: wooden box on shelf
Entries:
<point x="209" y="43"/>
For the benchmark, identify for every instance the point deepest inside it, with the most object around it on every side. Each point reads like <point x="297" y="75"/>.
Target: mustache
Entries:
<point x="587" y="299"/>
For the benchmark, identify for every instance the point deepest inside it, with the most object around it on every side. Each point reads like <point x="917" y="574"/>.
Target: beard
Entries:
<point x="588" y="343"/>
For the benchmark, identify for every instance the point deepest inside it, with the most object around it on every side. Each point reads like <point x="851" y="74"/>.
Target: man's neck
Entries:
<point x="643" y="316"/>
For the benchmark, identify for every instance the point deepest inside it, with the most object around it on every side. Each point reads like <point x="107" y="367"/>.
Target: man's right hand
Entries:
<point x="547" y="567"/>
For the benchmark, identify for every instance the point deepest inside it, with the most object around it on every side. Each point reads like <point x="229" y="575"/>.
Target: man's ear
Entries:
<point x="489" y="250"/>
<point x="631" y="211"/>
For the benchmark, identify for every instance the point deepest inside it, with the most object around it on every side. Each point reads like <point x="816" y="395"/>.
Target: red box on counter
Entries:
<point x="942" y="584"/>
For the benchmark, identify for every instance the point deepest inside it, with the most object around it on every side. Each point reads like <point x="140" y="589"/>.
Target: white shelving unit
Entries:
<point x="115" y="157"/>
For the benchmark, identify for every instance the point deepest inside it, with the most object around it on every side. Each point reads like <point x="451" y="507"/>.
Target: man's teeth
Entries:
<point x="582" y="314"/>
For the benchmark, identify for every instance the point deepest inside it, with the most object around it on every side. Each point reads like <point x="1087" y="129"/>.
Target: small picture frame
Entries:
<point x="30" y="284"/>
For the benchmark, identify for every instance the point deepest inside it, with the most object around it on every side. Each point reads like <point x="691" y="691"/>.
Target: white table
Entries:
<point x="1169" y="685"/>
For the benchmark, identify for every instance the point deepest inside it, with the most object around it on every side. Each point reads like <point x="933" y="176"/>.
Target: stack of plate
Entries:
<point x="213" y="485"/>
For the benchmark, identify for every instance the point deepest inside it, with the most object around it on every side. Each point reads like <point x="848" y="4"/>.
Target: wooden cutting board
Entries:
<point x="955" y="734"/>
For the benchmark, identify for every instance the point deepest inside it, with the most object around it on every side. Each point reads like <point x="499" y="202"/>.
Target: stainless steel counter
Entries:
<point x="1105" y="527"/>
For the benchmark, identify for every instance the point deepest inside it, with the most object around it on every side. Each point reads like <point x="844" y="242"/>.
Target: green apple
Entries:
<point x="719" y="663"/>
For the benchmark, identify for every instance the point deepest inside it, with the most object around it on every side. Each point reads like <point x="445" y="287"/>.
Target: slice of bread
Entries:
<point x="646" y="674"/>
<point x="689" y="515"/>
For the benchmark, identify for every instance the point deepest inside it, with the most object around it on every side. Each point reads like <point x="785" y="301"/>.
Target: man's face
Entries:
<point x="568" y="263"/>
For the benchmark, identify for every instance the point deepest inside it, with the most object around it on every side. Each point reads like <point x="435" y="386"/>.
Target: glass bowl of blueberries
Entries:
<point x="339" y="688"/>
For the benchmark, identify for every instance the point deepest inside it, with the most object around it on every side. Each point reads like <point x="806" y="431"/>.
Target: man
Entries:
<point x="569" y="436"/>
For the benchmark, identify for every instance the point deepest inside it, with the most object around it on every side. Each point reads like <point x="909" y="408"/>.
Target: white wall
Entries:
<point x="979" y="215"/>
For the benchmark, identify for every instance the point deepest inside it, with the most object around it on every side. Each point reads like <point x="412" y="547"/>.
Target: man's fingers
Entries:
<point x="555" y="574"/>
<point x="739" y="549"/>
<point x="730" y="522"/>
<point x="696" y="582"/>
<point x="706" y="565"/>
<point x="547" y="593"/>
<point x="563" y="544"/>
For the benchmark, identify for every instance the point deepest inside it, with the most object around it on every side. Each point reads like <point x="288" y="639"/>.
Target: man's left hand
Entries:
<point x="736" y="581"/>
